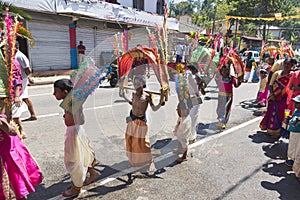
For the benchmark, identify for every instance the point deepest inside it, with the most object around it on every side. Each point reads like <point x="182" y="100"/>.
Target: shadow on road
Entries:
<point x="288" y="186"/>
<point x="261" y="137"/>
<point x="43" y="193"/>
<point x="251" y="105"/>
<point x="208" y="129"/>
<point x="278" y="150"/>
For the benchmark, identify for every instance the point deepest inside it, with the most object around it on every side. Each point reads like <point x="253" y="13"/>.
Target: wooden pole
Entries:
<point x="148" y="91"/>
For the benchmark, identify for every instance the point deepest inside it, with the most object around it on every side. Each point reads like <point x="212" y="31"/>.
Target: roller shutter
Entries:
<point x="137" y="36"/>
<point x="104" y="48"/>
<point x="52" y="46"/>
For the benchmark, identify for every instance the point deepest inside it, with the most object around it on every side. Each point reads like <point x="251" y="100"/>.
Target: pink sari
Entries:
<point x="262" y="95"/>
<point x="275" y="111"/>
<point x="18" y="169"/>
<point x="294" y="82"/>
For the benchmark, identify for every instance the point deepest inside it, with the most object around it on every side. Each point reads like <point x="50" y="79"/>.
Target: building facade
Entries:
<point x="57" y="27"/>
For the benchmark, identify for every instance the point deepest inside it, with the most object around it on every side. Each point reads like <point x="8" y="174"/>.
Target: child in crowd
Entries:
<point x="225" y="96"/>
<point x="182" y="131"/>
<point x="262" y="95"/>
<point x="79" y="157"/>
<point x="294" y="140"/>
<point x="19" y="171"/>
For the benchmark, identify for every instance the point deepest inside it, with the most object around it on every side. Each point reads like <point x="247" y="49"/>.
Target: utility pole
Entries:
<point x="214" y="18"/>
<point x="264" y="13"/>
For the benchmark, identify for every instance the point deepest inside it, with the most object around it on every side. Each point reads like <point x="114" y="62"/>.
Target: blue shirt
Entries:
<point x="294" y="124"/>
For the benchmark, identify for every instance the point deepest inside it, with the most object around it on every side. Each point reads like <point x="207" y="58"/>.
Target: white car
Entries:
<point x="255" y="55"/>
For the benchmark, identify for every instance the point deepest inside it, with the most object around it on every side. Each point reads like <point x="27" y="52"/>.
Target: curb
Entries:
<point x="52" y="73"/>
<point x="47" y="80"/>
<point x="50" y="76"/>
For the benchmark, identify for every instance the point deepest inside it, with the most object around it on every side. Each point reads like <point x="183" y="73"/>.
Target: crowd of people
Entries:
<point x="279" y="93"/>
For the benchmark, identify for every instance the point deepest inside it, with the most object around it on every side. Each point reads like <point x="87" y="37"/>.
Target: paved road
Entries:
<point x="239" y="163"/>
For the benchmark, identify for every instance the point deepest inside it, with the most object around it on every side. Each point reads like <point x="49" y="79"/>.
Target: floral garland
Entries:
<point x="10" y="30"/>
<point x="182" y="87"/>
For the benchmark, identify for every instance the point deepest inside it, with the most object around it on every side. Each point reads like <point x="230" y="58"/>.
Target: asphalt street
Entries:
<point x="237" y="163"/>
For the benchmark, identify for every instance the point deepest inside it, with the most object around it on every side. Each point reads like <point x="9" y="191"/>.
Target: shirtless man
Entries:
<point x="137" y="138"/>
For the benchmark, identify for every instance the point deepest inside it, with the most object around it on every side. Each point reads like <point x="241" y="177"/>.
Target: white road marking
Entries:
<point x="39" y="95"/>
<point x="48" y="115"/>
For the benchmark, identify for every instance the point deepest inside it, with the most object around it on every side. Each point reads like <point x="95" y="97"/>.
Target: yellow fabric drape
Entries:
<point x="264" y="18"/>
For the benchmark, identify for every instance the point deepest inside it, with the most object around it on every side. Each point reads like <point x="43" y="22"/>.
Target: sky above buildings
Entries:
<point x="176" y="1"/>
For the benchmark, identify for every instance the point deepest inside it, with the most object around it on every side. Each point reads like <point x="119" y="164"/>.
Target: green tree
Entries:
<point x="182" y="8"/>
<point x="22" y="31"/>
<point x="204" y="13"/>
<point x="265" y="8"/>
<point x="14" y="10"/>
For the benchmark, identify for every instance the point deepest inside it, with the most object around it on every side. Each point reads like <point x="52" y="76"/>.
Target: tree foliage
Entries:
<point x="14" y="10"/>
<point x="204" y="12"/>
<point x="182" y="8"/>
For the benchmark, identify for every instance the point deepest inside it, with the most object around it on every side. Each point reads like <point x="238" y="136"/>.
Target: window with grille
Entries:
<point x="160" y="7"/>
<point x="138" y="4"/>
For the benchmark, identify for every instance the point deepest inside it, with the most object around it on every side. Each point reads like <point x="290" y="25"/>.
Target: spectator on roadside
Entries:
<point x="294" y="139"/>
<point x="294" y="86"/>
<point x="277" y="65"/>
<point x="81" y="52"/>
<point x="270" y="61"/>
<point x="179" y="52"/>
<point x="249" y="62"/>
<point x="262" y="95"/>
<point x="277" y="101"/>
<point x="186" y="52"/>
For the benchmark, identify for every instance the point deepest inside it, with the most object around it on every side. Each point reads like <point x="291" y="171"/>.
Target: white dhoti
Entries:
<point x="294" y="152"/>
<point x="247" y="76"/>
<point x="194" y="117"/>
<point x="16" y="111"/>
<point x="294" y="142"/>
<point x="80" y="58"/>
<point x="79" y="155"/>
<point x="25" y="83"/>
<point x="182" y="132"/>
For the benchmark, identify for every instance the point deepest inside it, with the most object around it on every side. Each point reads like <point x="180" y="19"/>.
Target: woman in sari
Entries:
<point x="294" y="86"/>
<point x="277" y="100"/>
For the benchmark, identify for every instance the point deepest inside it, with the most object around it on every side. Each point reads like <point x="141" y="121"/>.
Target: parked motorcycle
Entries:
<point x="111" y="74"/>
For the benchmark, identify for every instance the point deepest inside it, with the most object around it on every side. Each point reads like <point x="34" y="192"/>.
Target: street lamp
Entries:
<point x="214" y="18"/>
